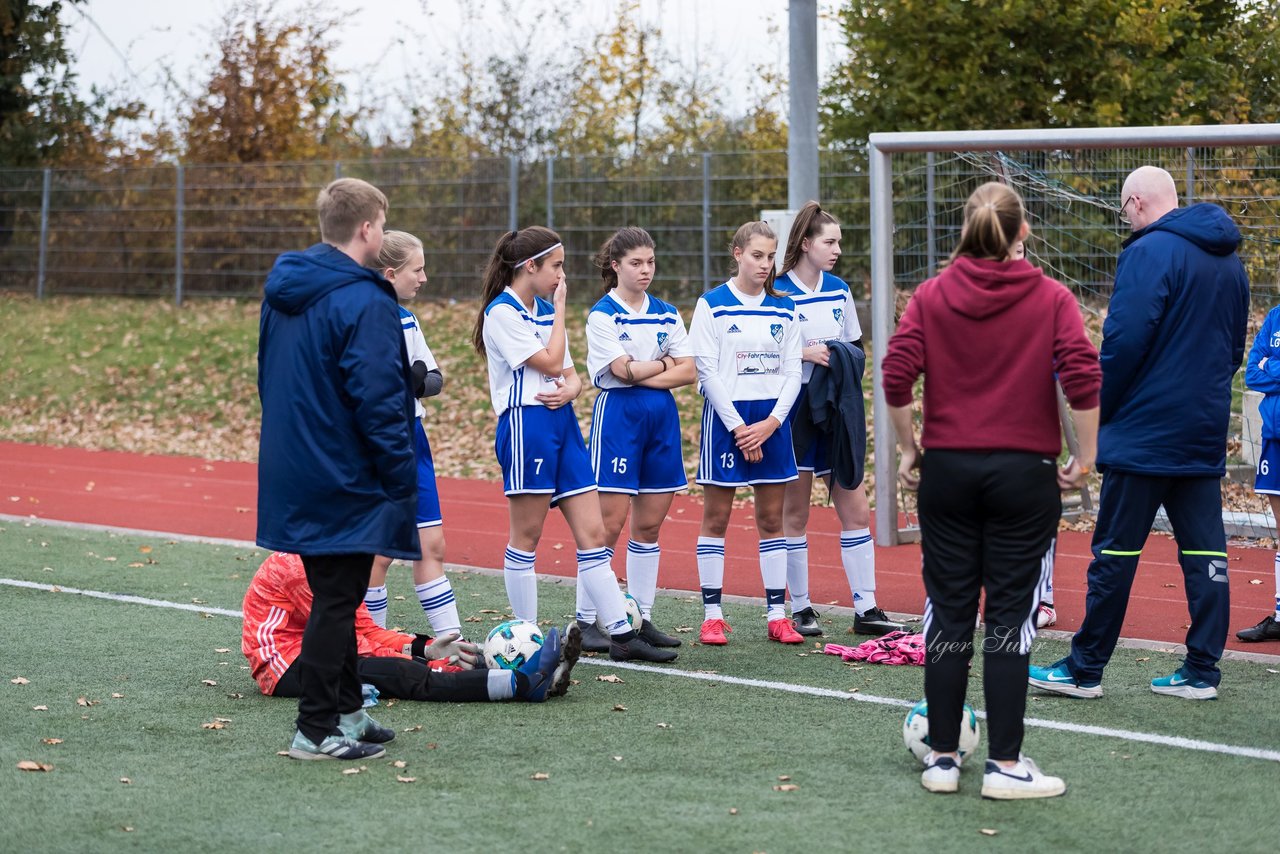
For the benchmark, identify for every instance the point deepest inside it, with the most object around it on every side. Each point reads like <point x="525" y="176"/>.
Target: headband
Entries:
<point x="552" y="248"/>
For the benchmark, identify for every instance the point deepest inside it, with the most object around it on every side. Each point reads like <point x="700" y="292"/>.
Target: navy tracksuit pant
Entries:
<point x="1126" y="509"/>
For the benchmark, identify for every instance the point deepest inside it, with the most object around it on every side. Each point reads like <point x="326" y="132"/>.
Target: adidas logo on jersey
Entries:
<point x="803" y="318"/>
<point x="624" y="337"/>
<point x="732" y="329"/>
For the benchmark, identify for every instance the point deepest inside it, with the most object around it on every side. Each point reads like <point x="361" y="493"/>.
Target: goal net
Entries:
<point x="1071" y="182"/>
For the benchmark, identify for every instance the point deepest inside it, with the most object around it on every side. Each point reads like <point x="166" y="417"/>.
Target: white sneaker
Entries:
<point x="941" y="773"/>
<point x="1046" y="616"/>
<point x="1023" y="780"/>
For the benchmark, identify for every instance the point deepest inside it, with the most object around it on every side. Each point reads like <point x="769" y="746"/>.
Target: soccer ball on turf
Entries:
<point x="634" y="619"/>
<point x="915" y="730"/>
<point x="511" y="644"/>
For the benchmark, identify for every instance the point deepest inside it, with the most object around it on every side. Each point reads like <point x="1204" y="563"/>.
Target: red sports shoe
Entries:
<point x="784" y="631"/>
<point x="713" y="632"/>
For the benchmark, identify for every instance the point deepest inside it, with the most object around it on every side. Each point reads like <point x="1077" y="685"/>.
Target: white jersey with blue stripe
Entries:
<point x="616" y="329"/>
<point x="826" y="313"/>
<point x="418" y="349"/>
<point x="751" y="343"/>
<point x="512" y="333"/>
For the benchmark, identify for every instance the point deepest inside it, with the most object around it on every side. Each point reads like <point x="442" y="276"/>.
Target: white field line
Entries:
<point x="805" y="690"/>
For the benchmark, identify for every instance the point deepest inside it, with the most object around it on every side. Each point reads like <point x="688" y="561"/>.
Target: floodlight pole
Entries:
<point x="802" y="128"/>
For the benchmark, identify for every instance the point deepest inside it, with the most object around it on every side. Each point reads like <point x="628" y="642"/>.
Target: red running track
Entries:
<point x="218" y="499"/>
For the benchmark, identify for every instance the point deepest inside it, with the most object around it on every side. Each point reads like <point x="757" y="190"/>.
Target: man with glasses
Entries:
<point x="1172" y="341"/>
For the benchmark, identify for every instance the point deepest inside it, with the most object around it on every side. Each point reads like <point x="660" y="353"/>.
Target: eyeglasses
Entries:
<point x="1123" y="216"/>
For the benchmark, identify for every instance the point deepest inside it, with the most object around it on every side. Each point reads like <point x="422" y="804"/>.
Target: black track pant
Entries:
<point x="988" y="521"/>
<point x="328" y="682"/>
<point x="405" y="679"/>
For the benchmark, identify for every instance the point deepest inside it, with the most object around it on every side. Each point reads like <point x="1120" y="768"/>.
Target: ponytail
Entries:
<point x="808" y="224"/>
<point x="616" y="248"/>
<point x="993" y="218"/>
<point x="743" y="236"/>
<point x="512" y="251"/>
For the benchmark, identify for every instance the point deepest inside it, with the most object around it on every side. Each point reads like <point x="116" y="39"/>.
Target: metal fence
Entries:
<point x="182" y="231"/>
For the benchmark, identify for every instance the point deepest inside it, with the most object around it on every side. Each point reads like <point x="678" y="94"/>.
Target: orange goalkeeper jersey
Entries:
<point x="276" y="607"/>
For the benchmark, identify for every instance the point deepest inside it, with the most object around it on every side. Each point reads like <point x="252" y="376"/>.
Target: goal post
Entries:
<point x="1178" y="142"/>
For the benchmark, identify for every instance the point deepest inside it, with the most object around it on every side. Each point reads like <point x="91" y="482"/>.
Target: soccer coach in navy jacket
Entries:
<point x="1173" y="338"/>
<point x="337" y="480"/>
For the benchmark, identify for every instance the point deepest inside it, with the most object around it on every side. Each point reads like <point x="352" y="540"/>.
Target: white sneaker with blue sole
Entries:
<point x="1179" y="684"/>
<point x="1023" y="780"/>
<point x="1057" y="679"/>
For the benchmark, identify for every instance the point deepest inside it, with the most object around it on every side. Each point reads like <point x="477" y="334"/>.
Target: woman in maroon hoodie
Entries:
<point x="989" y="333"/>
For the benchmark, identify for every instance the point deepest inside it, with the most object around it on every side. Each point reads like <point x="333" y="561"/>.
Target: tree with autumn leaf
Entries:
<point x="956" y="65"/>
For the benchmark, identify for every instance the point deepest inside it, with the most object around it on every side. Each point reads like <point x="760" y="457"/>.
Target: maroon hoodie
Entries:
<point x="989" y="337"/>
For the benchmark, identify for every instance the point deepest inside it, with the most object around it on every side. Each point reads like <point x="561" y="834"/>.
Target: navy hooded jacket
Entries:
<point x="1173" y="339"/>
<point x="336" y="470"/>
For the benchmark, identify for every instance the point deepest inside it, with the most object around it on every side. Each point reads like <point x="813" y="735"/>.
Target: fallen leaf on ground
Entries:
<point x="20" y="680"/>
<point x="431" y="745"/>
<point x="733" y="810"/>
<point x="988" y="831"/>
<point x="221" y="649"/>
<point x="223" y="720"/>
<point x="663" y="725"/>
<point x="126" y="781"/>
<point x="617" y="759"/>
<point x="414" y="728"/>
<point x="619" y="708"/>
<point x="350" y="771"/>
<point x="1142" y="659"/>
<point x="146" y="550"/>
<point x="39" y="708"/>
<point x="29" y="765"/>
<point x="489" y="611"/>
<point x="236" y="696"/>
<point x="213" y="725"/>
<point x="784" y="778"/>
<point x="51" y="740"/>
<point x="208" y="682"/>
<point x="610" y="677"/>
<point x="1255" y="580"/>
<point x="787" y="787"/>
<point x="400" y="779"/>
<point x="541" y="775"/>
<point x="282" y="753"/>
<point x="399" y="763"/>
<point x="117" y="696"/>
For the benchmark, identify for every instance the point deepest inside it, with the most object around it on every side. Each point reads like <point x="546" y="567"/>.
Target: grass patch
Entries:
<point x="723" y="748"/>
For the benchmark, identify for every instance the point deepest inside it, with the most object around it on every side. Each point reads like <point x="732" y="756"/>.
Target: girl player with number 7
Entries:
<point x="746" y="344"/>
<point x="532" y="383"/>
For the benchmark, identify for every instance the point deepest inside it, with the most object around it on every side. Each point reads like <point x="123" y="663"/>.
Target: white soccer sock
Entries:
<point x="602" y="586"/>
<point x="585" y="610"/>
<point x="522" y="583"/>
<point x="502" y="684"/>
<point x="857" y="553"/>
<point x="642" y="573"/>
<point x="798" y="572"/>
<point x="711" y="575"/>
<point x="440" y="604"/>
<point x="773" y="570"/>
<point x="375" y="599"/>
<point x="1277" y="566"/>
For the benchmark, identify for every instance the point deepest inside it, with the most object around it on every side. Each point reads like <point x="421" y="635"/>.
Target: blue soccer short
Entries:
<point x="635" y="441"/>
<point x="428" y="498"/>
<point x="541" y="452"/>
<point x="1266" y="480"/>
<point x="817" y="458"/>
<point x="720" y="463"/>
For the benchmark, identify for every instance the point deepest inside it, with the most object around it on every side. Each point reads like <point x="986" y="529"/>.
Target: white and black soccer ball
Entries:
<point x="511" y="644"/>
<point x="634" y="619"/>
<point x="915" y="730"/>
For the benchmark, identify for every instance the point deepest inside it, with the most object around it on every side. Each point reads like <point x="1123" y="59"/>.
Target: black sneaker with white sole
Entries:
<point x="593" y="640"/>
<point x="806" y="620"/>
<point x="639" y="649"/>
<point x="1267" y="630"/>
<point x="875" y="622"/>
<point x="657" y="637"/>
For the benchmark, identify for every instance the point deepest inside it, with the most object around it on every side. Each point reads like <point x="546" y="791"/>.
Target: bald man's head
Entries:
<point x="1148" y="194"/>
